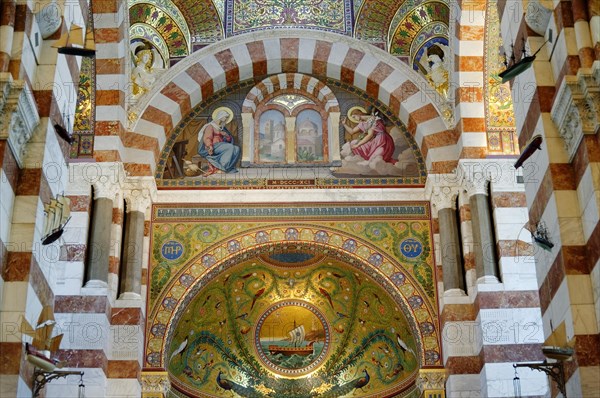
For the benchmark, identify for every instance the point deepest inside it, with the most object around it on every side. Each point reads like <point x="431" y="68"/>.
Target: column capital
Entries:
<point x="444" y="197"/>
<point x="107" y="178"/>
<point x="139" y="192"/>
<point x="442" y="190"/>
<point x="19" y="115"/>
<point x="476" y="186"/>
<point x="155" y="384"/>
<point x="474" y="175"/>
<point x="432" y="380"/>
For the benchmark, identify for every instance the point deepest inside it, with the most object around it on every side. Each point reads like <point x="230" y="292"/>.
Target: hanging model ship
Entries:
<point x="58" y="213"/>
<point x="297" y="335"/>
<point x="540" y="236"/>
<point x="556" y="345"/>
<point x="44" y="344"/>
<point x="72" y="42"/>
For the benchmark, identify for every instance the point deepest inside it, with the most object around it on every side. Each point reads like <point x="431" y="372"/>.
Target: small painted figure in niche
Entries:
<point x="147" y="63"/>
<point x="435" y="65"/>
<point x="215" y="144"/>
<point x="375" y="142"/>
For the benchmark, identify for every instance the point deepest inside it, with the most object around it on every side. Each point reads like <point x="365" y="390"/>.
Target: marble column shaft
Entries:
<point x="7" y="28"/>
<point x="450" y="250"/>
<point x="583" y="36"/>
<point x="131" y="271"/>
<point x="99" y="250"/>
<point x="484" y="245"/>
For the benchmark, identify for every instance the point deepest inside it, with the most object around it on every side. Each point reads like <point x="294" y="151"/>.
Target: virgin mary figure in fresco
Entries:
<point x="215" y="144"/>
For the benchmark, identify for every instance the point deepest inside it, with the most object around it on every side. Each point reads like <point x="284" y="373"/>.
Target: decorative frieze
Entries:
<point x="432" y="382"/>
<point x="577" y="109"/>
<point x="139" y="192"/>
<point x="155" y="384"/>
<point x="19" y="116"/>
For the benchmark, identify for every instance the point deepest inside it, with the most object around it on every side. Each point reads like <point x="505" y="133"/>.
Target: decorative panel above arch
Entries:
<point x="183" y="165"/>
<point x="354" y="286"/>
<point x="420" y="22"/>
<point x="244" y="16"/>
<point x="161" y="23"/>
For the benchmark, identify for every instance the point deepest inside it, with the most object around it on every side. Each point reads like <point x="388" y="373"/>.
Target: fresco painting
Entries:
<point x="272" y="137"/>
<point x="309" y="136"/>
<point x="299" y="145"/>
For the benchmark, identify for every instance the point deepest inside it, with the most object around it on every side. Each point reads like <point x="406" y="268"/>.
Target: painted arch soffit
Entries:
<point x="199" y="21"/>
<point x="223" y="286"/>
<point x="373" y="19"/>
<point x="260" y="38"/>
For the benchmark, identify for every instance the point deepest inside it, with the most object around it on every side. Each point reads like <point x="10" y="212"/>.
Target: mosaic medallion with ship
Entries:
<point x="292" y="338"/>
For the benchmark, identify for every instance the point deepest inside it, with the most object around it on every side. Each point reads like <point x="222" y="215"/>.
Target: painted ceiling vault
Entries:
<point x="315" y="300"/>
<point x="402" y="27"/>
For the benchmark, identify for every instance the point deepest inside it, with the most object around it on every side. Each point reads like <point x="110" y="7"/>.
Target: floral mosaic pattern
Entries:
<point x="357" y="329"/>
<point x="422" y="18"/>
<point x="500" y="118"/>
<point x="244" y="16"/>
<point x="165" y="26"/>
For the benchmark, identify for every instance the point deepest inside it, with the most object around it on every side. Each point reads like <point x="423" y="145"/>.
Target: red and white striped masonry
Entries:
<point x="296" y="81"/>
<point x="468" y="82"/>
<point x="562" y="192"/>
<point x="255" y="56"/>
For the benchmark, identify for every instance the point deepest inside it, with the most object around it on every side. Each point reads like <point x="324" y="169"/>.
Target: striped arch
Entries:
<point x="296" y="81"/>
<point x="322" y="55"/>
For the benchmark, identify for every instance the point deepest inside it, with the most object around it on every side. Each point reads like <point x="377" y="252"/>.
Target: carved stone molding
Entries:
<point x="139" y="192"/>
<point x="155" y="384"/>
<point x="577" y="108"/>
<point x="432" y="380"/>
<point x="442" y="190"/>
<point x="48" y="17"/>
<point x="107" y="179"/>
<point x="447" y="111"/>
<point x="19" y="116"/>
<point x="476" y="174"/>
<point x="537" y="16"/>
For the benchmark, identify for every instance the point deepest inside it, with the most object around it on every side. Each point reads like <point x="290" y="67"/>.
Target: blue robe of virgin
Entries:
<point x="225" y="154"/>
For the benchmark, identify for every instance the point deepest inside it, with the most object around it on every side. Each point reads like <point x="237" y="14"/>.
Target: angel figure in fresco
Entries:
<point x="436" y="67"/>
<point x="375" y="142"/>
<point x="215" y="144"/>
<point x="147" y="62"/>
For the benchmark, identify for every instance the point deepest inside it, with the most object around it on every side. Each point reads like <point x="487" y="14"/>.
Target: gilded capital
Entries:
<point x="155" y="384"/>
<point x="432" y="381"/>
